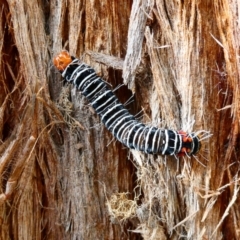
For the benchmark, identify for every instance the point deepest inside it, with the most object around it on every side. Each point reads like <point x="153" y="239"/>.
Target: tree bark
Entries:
<point x="62" y="176"/>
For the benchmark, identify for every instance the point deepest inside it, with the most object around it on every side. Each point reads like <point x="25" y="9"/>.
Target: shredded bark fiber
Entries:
<point x="60" y="177"/>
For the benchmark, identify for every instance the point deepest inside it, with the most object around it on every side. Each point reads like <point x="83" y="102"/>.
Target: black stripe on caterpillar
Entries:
<point x="117" y="119"/>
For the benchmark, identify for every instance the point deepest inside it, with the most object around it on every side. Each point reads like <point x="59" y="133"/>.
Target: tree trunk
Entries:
<point x="62" y="176"/>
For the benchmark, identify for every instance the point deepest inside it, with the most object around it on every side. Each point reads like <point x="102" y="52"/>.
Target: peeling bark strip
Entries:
<point x="138" y="19"/>
<point x="117" y="119"/>
<point x="110" y="61"/>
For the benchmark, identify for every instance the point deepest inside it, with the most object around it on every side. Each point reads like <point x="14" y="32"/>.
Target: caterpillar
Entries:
<point x="117" y="119"/>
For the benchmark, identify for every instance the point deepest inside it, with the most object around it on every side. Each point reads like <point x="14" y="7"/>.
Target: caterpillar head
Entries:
<point x="62" y="60"/>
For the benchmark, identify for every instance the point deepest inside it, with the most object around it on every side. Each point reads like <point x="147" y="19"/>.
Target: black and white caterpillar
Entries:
<point x="117" y="119"/>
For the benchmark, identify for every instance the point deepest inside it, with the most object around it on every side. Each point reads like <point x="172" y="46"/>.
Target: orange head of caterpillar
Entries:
<point x="62" y="60"/>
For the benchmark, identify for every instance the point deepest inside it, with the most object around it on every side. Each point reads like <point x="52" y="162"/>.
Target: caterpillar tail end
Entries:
<point x="190" y="144"/>
<point x="62" y="60"/>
